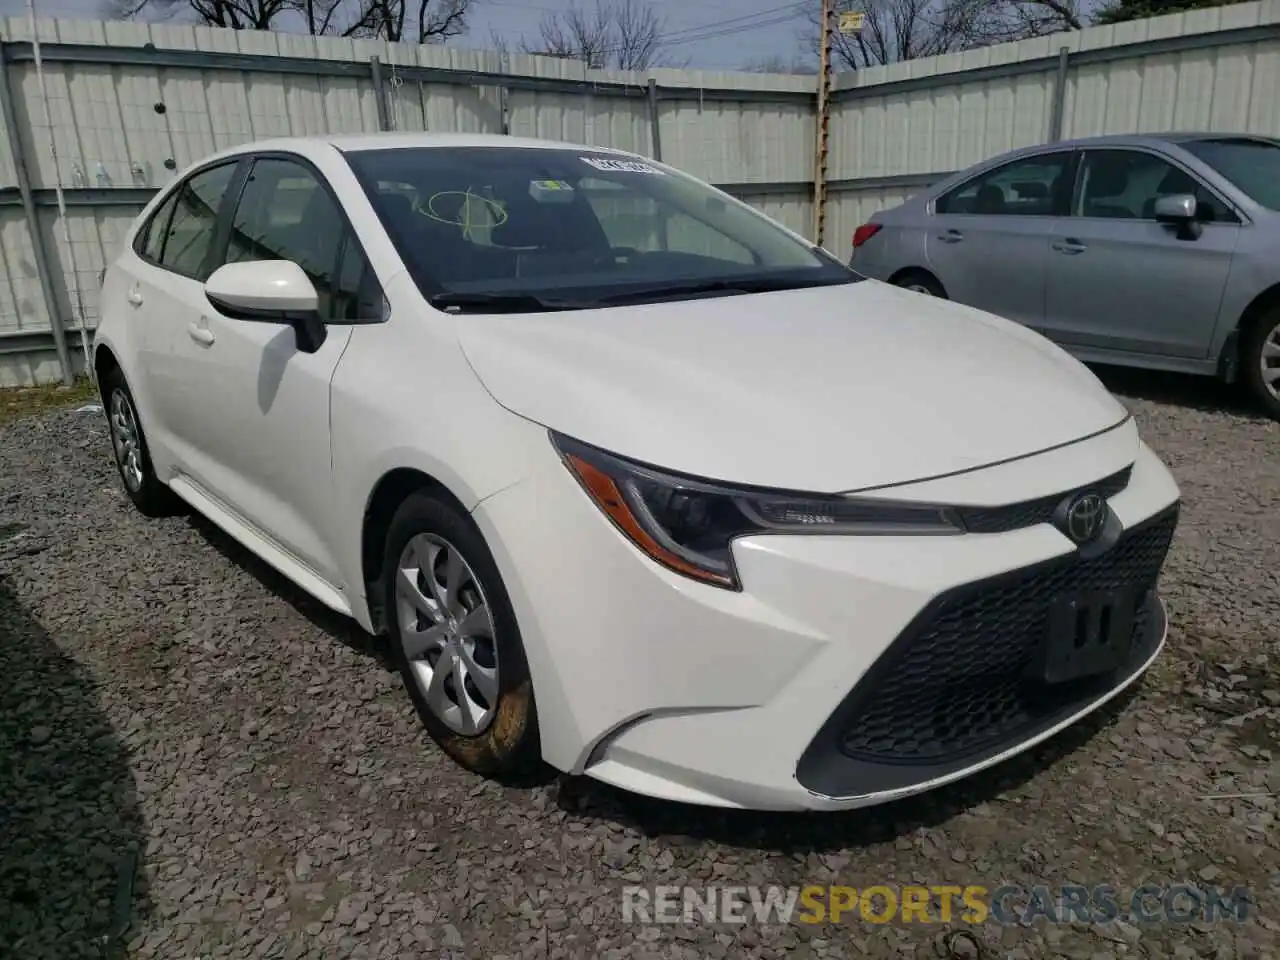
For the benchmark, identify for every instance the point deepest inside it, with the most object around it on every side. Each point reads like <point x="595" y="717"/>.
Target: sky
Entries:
<point x="708" y="34"/>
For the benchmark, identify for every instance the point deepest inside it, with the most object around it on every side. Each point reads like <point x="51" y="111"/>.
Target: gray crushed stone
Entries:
<point x="165" y="695"/>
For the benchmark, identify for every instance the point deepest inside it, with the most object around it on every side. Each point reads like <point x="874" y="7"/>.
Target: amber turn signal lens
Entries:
<point x="604" y="491"/>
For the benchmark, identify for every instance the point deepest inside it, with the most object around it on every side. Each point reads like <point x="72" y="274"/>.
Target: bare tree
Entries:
<point x="624" y="34"/>
<point x="414" y="21"/>
<point x="1118" y="11"/>
<point x="1004" y="21"/>
<point x="894" y="30"/>
<point x="233" y="14"/>
<point x="576" y="34"/>
<point x="639" y="33"/>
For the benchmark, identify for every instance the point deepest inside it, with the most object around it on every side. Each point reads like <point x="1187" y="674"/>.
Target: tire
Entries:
<point x="481" y="712"/>
<point x="921" y="282"/>
<point x="129" y="448"/>
<point x="1263" y="337"/>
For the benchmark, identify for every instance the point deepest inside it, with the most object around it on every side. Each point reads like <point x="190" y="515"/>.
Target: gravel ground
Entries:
<point x="167" y="696"/>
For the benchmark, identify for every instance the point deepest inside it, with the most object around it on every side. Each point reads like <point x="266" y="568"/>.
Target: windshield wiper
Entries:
<point x="504" y="303"/>
<point x="707" y="287"/>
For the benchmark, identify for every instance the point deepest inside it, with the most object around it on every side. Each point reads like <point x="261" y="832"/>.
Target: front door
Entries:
<point x="266" y="447"/>
<point x="1120" y="281"/>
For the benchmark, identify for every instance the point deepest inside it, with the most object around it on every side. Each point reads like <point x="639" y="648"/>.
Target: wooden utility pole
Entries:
<point x="823" y="122"/>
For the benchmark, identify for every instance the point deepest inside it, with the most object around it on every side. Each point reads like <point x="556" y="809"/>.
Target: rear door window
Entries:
<point x="1026" y="187"/>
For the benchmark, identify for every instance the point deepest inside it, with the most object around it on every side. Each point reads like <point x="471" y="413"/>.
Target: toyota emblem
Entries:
<point x="1084" y="517"/>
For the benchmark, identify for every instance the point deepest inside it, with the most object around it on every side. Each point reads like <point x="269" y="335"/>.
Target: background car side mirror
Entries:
<point x="1179" y="211"/>
<point x="269" y="291"/>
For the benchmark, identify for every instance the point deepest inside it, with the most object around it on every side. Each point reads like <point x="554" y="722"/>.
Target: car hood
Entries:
<point x="824" y="389"/>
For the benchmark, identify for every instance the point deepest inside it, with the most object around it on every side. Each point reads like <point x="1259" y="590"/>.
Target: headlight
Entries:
<point x="688" y="524"/>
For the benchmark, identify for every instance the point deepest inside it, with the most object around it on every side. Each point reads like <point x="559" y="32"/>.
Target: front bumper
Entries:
<point x="832" y="680"/>
<point x="957" y="688"/>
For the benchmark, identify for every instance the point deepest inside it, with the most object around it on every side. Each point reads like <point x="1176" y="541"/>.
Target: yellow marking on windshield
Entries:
<point x="469" y="216"/>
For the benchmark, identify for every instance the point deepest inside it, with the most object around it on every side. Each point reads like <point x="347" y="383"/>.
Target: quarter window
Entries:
<point x="150" y="243"/>
<point x="189" y="239"/>
<point x="1125" y="185"/>
<point x="1026" y="187"/>
<point x="285" y="213"/>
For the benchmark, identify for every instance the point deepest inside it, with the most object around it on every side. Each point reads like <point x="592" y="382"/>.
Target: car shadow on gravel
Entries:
<point x="342" y="628"/>
<point x="829" y="832"/>
<point x="71" y="829"/>
<point x="1208" y="394"/>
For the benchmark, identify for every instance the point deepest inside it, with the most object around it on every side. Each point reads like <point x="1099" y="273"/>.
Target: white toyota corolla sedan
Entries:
<point x="636" y="481"/>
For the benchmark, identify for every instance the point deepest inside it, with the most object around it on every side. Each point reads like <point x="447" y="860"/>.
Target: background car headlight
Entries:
<point x="688" y="524"/>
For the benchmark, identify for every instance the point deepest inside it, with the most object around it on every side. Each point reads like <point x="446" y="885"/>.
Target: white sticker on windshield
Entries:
<point x="621" y="166"/>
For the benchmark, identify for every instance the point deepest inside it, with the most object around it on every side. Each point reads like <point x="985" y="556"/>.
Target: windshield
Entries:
<point x="1252" y="165"/>
<point x="531" y="228"/>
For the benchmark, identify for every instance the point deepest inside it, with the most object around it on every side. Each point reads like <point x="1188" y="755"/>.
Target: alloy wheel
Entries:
<point x="1269" y="360"/>
<point x="125" y="439"/>
<point x="446" y="634"/>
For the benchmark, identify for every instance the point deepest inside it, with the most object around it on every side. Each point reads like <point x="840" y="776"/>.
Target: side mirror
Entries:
<point x="269" y="291"/>
<point x="1179" y="210"/>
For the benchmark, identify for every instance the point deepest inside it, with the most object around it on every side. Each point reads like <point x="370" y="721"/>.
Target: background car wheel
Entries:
<point x="1260" y="356"/>
<point x="133" y="459"/>
<point x="920" y="282"/>
<point x="455" y="640"/>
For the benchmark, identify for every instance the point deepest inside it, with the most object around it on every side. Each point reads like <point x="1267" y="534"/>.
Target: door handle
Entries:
<point x="135" y="297"/>
<point x="951" y="236"/>
<point x="1070" y="246"/>
<point x="201" y="335"/>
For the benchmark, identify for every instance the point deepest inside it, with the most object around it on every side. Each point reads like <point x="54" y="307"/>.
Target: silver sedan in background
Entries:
<point x="1160" y="250"/>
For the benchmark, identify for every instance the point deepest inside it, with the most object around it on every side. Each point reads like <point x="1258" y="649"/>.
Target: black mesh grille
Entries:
<point x="956" y="682"/>
<point x="1015" y="516"/>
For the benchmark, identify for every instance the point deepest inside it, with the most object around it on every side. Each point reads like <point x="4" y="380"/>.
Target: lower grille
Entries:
<point x="956" y="682"/>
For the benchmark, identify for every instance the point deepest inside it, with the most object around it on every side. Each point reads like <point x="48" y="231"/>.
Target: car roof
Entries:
<point x="1173" y="138"/>
<point x="392" y="141"/>
<point x="355" y="142"/>
<point x="1137" y="140"/>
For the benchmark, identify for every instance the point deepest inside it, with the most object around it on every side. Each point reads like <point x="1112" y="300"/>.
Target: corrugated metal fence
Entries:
<point x="128" y="103"/>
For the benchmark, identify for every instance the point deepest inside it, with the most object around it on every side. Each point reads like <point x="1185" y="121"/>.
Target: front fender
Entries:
<point x="409" y="400"/>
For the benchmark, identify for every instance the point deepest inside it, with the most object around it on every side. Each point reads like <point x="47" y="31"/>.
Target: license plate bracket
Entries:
<point x="1089" y="633"/>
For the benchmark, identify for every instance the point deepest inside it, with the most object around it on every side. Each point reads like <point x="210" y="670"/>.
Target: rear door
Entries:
<point x="168" y="294"/>
<point x="988" y="239"/>
<point x="1120" y="281"/>
<point x="124" y="290"/>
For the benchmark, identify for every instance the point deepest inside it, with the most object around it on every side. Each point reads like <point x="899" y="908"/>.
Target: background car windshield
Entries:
<point x="571" y="224"/>
<point x="1252" y="165"/>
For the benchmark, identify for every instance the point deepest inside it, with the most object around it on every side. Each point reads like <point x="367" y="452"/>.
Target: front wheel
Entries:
<point x="455" y="639"/>
<point x="1260" y="355"/>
